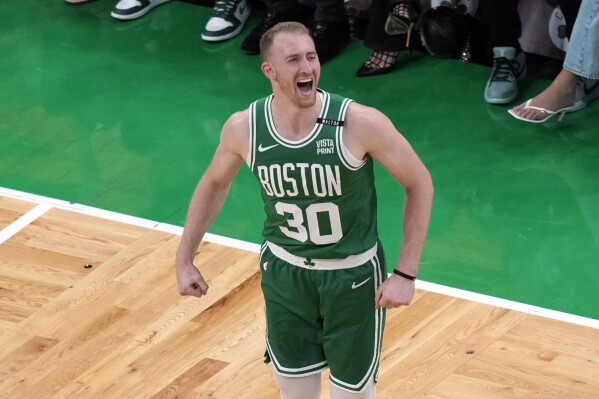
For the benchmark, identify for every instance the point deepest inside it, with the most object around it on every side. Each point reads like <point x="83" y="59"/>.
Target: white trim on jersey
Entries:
<point x="251" y="156"/>
<point x="324" y="97"/>
<point x="346" y="157"/>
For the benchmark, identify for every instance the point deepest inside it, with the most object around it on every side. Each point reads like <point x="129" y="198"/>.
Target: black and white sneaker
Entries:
<point x="587" y="90"/>
<point x="132" y="9"/>
<point x="227" y="20"/>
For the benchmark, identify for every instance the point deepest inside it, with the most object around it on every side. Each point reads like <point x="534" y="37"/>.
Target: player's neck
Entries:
<point x="292" y="121"/>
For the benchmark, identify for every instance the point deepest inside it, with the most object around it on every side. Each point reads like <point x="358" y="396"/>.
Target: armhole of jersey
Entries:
<point x="345" y="155"/>
<point x="251" y="156"/>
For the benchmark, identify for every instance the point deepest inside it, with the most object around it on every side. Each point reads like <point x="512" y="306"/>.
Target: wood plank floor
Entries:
<point x="119" y="329"/>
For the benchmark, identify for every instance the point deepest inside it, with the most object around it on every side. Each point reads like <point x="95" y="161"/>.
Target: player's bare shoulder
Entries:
<point x="235" y="133"/>
<point x="362" y="117"/>
<point x="363" y="126"/>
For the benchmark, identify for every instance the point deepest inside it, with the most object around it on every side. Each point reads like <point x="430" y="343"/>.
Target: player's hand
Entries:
<point x="190" y="281"/>
<point x="395" y="292"/>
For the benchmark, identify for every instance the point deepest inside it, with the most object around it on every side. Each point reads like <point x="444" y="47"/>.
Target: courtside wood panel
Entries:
<point x="12" y="209"/>
<point x="120" y="329"/>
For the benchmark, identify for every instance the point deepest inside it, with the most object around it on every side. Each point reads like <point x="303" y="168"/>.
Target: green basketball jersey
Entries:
<point x="320" y="201"/>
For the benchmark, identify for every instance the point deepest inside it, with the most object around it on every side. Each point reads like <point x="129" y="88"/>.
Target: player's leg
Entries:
<point x="306" y="387"/>
<point x="353" y="327"/>
<point x="293" y="321"/>
<point x="369" y="392"/>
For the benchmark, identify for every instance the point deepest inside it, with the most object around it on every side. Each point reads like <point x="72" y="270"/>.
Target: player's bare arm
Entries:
<point x="370" y="132"/>
<point x="208" y="199"/>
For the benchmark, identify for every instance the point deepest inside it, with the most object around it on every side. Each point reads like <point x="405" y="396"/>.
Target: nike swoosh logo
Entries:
<point x="590" y="89"/>
<point x="240" y="10"/>
<point x="262" y="149"/>
<point x="354" y="285"/>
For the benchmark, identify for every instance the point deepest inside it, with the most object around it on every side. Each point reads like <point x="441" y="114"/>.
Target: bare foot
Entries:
<point x="560" y="94"/>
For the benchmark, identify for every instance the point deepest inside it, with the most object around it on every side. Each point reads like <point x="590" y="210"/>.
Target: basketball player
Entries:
<point x="323" y="270"/>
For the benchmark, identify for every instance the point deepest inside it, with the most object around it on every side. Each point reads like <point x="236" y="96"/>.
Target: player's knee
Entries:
<point x="305" y="387"/>
<point x="369" y="392"/>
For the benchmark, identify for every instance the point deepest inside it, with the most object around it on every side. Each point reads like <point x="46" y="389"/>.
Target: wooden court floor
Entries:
<point x="119" y="329"/>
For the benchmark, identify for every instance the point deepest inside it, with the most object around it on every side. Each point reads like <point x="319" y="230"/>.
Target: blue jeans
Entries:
<point x="582" y="56"/>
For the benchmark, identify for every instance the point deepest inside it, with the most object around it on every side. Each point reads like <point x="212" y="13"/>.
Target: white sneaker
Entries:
<point x="227" y="20"/>
<point x="587" y="90"/>
<point x="132" y="9"/>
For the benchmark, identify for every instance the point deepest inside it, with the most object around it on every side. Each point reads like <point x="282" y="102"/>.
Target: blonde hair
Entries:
<point x="282" y="27"/>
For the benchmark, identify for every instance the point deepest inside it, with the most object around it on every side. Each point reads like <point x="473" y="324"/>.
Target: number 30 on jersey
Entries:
<point x="303" y="228"/>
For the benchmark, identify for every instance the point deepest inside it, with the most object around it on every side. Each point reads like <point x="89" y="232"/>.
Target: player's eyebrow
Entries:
<point x="309" y="53"/>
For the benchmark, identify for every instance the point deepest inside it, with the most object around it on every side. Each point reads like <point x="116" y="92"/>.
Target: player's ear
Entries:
<point x="268" y="70"/>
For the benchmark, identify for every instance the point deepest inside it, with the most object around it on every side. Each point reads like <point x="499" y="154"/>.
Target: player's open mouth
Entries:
<point x="305" y="85"/>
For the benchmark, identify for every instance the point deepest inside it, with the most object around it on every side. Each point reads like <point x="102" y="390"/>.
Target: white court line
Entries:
<point x="23" y="221"/>
<point x="507" y="304"/>
<point x="48" y="203"/>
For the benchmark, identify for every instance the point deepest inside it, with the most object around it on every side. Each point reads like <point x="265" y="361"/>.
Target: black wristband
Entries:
<point x="406" y="276"/>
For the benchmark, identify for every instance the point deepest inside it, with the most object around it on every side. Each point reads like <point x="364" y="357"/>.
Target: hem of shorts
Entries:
<point x="300" y="373"/>
<point x="352" y="390"/>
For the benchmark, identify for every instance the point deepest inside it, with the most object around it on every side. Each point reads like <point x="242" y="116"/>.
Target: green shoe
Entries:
<point x="508" y="69"/>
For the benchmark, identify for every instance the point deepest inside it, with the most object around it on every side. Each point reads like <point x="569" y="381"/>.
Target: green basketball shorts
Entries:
<point x="321" y="313"/>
